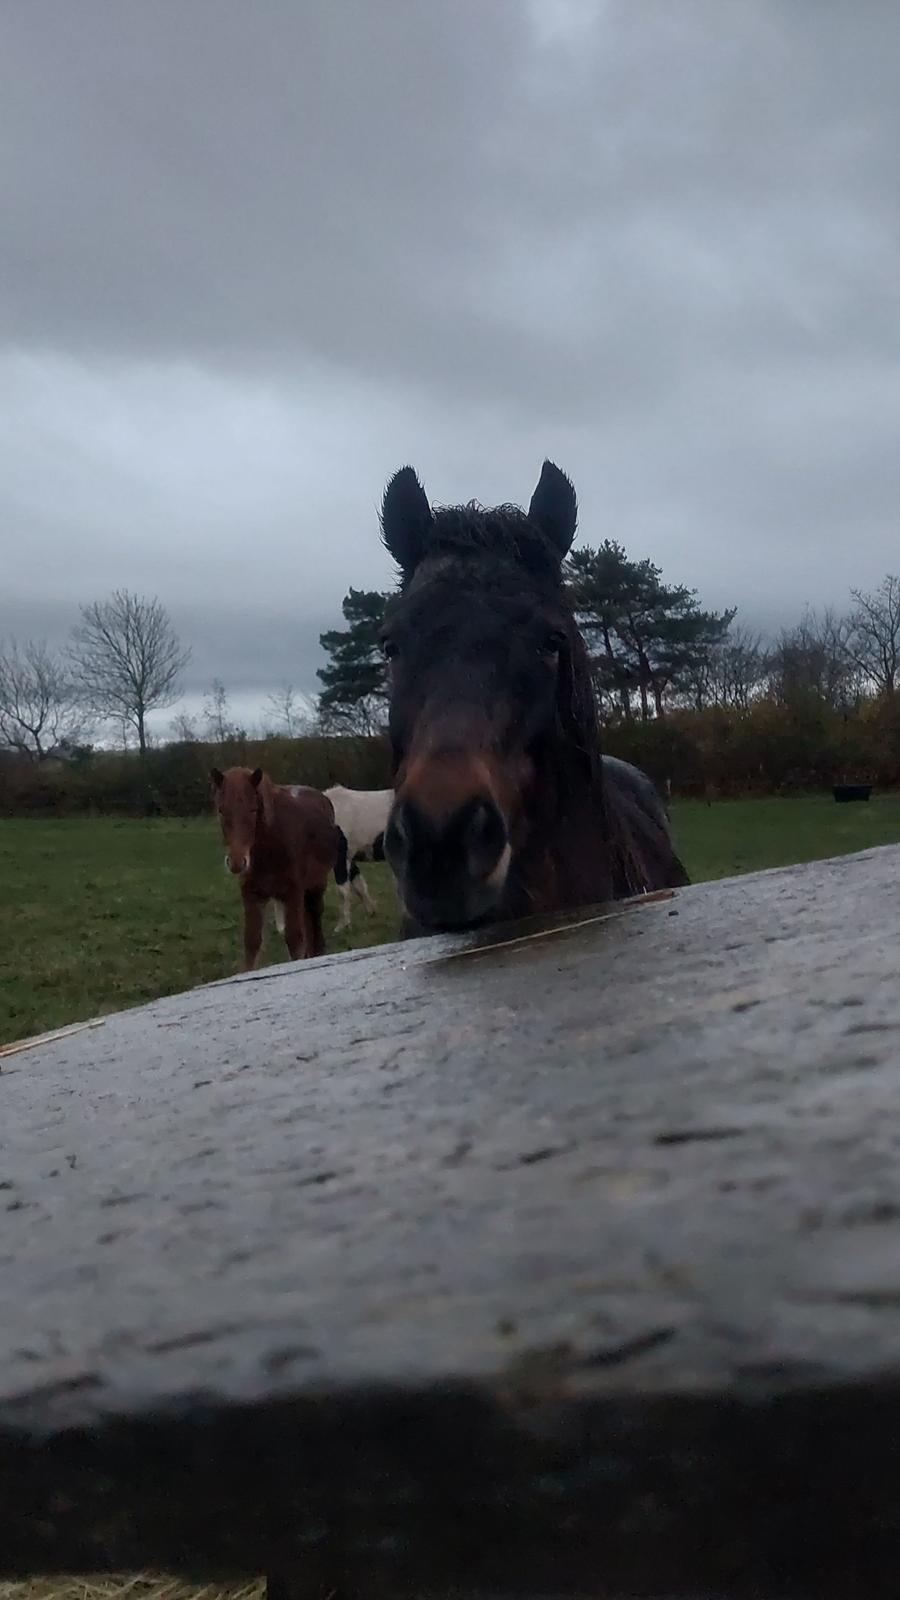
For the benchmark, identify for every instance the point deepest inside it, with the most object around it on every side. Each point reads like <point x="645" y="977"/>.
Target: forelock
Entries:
<point x="502" y="531"/>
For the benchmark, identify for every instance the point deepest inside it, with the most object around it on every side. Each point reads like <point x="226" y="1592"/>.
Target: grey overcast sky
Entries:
<point x="256" y="256"/>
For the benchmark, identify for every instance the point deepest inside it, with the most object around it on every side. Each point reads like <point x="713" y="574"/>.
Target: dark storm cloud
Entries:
<point x="257" y="256"/>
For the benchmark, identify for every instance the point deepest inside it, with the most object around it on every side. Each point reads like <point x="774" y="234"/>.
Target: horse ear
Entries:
<point x="405" y="519"/>
<point x="218" y="777"/>
<point x="256" y="777"/>
<point x="554" y="508"/>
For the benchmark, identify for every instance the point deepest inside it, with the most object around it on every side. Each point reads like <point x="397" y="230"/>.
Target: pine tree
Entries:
<point x="354" y="692"/>
<point x="646" y="637"/>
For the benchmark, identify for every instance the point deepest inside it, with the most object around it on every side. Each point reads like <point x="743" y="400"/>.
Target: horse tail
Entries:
<point x="341" y="872"/>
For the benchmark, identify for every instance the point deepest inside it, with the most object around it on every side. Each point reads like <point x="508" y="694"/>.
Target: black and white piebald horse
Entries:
<point x="361" y="816"/>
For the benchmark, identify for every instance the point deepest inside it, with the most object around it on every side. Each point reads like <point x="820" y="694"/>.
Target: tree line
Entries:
<point x="655" y="650"/>
<point x="123" y="662"/>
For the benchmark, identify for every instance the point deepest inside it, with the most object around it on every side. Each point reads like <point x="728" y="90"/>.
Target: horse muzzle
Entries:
<point x="451" y="868"/>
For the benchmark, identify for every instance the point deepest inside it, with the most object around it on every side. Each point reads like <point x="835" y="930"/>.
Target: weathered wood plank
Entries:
<point x="559" y="1267"/>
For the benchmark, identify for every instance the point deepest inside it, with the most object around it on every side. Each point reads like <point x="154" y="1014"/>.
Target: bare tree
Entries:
<point x="217" y="716"/>
<point x="740" y="668"/>
<point x="731" y="673"/>
<point x="183" y="729"/>
<point x="873" y="642"/>
<point x="128" y="659"/>
<point x="39" y="708"/>
<point x="813" y="658"/>
<point x="367" y="719"/>
<point x="289" y="711"/>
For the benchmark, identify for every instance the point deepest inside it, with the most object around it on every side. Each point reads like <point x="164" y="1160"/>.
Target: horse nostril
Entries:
<point x="484" y="838"/>
<point x="450" y="855"/>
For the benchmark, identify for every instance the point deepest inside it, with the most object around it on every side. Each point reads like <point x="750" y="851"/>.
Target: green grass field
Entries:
<point x="100" y="914"/>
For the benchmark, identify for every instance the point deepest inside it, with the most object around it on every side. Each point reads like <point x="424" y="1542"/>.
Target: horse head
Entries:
<point x="241" y="797"/>
<point x="492" y="718"/>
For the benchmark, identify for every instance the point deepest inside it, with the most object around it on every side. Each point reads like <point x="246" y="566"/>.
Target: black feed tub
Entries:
<point x="844" y="792"/>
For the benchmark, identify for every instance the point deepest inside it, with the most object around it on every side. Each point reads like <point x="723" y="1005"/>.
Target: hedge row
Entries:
<point x="768" y="749"/>
<point x="175" y="779"/>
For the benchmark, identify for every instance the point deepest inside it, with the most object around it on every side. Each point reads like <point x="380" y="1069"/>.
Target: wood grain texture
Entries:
<point x="570" y="1267"/>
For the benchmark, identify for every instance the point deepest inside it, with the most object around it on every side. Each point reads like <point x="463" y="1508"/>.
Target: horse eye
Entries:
<point x="553" y="643"/>
<point x="389" y="649"/>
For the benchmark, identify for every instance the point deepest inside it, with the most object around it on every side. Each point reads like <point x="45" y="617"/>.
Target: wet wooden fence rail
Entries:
<point x="566" y="1265"/>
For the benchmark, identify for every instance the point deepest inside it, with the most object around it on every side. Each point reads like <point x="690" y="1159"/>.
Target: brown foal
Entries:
<point x="282" y="844"/>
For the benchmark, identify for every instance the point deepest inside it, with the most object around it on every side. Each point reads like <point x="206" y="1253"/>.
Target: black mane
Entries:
<point x="503" y="531"/>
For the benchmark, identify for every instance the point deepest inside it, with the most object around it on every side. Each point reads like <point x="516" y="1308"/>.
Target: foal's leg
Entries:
<point x="254" y="918"/>
<point x="313" y="903"/>
<point x="343" y="922"/>
<point x="362" y="889"/>
<point x="295" y="928"/>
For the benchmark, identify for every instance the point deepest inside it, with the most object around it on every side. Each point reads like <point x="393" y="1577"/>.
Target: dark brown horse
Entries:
<point x="282" y="844"/>
<point x="504" y="805"/>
